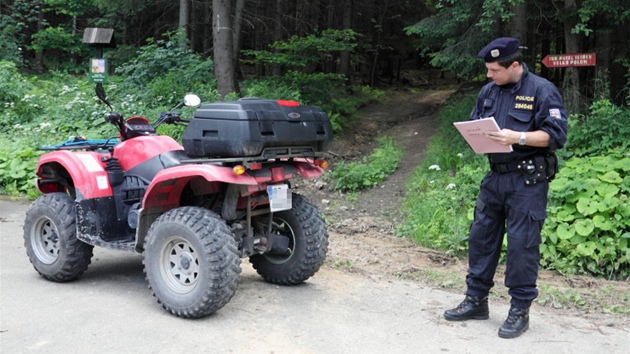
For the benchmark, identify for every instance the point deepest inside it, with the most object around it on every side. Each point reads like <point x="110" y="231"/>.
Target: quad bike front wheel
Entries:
<point x="306" y="230"/>
<point x="50" y="238"/>
<point x="191" y="262"/>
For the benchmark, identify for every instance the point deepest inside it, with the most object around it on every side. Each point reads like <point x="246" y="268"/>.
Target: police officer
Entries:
<point x="513" y="195"/>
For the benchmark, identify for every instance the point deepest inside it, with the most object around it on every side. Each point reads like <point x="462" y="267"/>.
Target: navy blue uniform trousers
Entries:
<point x="506" y="203"/>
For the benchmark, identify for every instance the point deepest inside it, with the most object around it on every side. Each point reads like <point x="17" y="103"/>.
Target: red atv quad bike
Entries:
<point x="193" y="211"/>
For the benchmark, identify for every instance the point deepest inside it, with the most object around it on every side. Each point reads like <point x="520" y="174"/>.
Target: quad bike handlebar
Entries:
<point x="135" y="126"/>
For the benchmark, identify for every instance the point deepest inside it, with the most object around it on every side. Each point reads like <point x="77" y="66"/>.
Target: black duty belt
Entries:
<point x="525" y="165"/>
<point x="506" y="167"/>
<point x="536" y="168"/>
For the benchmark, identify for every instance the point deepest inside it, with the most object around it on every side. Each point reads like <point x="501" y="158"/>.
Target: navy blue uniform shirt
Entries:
<point x="533" y="103"/>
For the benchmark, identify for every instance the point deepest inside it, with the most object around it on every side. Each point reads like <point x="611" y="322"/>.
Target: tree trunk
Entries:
<point x="276" y="69"/>
<point x="238" y="21"/>
<point x="571" y="84"/>
<point x="618" y="71"/>
<point x="39" y="55"/>
<point x="207" y="30"/>
<point x="518" y="25"/>
<point x="184" y="14"/>
<point x="223" y="47"/>
<point x="604" y="59"/>
<point x="518" y="30"/>
<point x="344" y="60"/>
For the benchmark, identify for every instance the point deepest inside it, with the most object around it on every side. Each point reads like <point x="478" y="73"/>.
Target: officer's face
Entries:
<point x="501" y="75"/>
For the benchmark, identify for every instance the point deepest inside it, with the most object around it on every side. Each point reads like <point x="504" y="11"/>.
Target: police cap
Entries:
<point x="498" y="49"/>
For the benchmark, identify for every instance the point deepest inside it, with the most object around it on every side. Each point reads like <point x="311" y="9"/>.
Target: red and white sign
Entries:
<point x="566" y="60"/>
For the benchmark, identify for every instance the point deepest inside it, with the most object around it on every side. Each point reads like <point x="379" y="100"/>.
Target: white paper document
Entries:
<point x="474" y="131"/>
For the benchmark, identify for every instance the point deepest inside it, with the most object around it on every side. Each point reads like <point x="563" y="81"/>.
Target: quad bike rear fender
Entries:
<point x="166" y="189"/>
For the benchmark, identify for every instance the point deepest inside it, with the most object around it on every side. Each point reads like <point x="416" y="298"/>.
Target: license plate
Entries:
<point x="279" y="197"/>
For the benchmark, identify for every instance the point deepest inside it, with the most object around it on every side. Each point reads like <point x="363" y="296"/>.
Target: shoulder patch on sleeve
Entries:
<point x="555" y="113"/>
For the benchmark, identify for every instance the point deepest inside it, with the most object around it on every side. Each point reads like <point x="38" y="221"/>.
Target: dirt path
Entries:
<point x="362" y="227"/>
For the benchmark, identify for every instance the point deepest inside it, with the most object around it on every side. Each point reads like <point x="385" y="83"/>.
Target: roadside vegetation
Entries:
<point x="373" y="169"/>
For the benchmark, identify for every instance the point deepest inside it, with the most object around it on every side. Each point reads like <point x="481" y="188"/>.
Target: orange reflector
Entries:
<point x="322" y="163"/>
<point x="288" y="103"/>
<point x="238" y="169"/>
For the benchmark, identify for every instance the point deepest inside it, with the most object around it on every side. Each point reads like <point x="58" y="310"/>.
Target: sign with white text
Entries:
<point x="568" y="60"/>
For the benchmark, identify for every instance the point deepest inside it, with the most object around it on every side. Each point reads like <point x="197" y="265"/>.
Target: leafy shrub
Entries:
<point x="163" y="71"/>
<point x="66" y="45"/>
<point x="299" y="55"/>
<point x="17" y="168"/>
<point x="588" y="229"/>
<point x="313" y="89"/>
<point x="299" y="52"/>
<point x="605" y="127"/>
<point x="13" y="88"/>
<point x="10" y="29"/>
<point x="272" y="88"/>
<point x="354" y="176"/>
<point x="442" y="191"/>
<point x="438" y="202"/>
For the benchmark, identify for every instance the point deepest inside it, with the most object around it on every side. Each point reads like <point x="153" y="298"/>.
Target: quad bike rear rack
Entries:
<point x="281" y="153"/>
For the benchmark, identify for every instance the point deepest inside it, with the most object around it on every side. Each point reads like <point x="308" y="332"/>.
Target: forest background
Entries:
<point x="339" y="54"/>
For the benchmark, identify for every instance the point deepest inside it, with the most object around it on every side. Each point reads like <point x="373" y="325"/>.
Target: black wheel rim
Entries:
<point x="281" y="227"/>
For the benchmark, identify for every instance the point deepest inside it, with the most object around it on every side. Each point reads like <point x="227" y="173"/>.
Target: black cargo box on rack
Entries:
<point x="253" y="127"/>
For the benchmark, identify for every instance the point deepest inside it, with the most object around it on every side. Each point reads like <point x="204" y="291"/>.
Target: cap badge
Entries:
<point x="495" y="53"/>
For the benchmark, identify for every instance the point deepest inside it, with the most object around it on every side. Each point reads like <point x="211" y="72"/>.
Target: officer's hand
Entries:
<point x="505" y="136"/>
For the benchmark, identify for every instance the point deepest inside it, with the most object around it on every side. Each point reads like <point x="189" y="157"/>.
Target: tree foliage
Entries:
<point x="164" y="70"/>
<point x="300" y="52"/>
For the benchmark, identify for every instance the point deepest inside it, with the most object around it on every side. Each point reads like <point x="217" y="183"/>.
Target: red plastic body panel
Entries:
<point x="307" y="169"/>
<point x="139" y="149"/>
<point x="85" y="168"/>
<point x="164" y="192"/>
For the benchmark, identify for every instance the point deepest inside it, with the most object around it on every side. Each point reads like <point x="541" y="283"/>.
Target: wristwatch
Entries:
<point x="523" y="139"/>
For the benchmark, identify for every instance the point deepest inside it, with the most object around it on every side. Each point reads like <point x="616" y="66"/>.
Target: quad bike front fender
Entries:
<point x="83" y="170"/>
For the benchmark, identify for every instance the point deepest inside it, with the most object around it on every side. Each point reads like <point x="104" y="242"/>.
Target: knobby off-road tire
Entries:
<point x="50" y="238"/>
<point x="308" y="242"/>
<point x="191" y="262"/>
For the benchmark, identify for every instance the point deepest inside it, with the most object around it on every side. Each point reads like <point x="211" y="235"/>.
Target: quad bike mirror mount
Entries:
<point x="100" y="93"/>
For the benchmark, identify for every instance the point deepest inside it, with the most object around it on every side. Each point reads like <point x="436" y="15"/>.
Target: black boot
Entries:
<point x="516" y="323"/>
<point x="472" y="308"/>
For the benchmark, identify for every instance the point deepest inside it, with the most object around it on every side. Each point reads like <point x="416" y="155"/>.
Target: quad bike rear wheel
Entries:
<point x="191" y="262"/>
<point x="306" y="230"/>
<point x="50" y="238"/>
